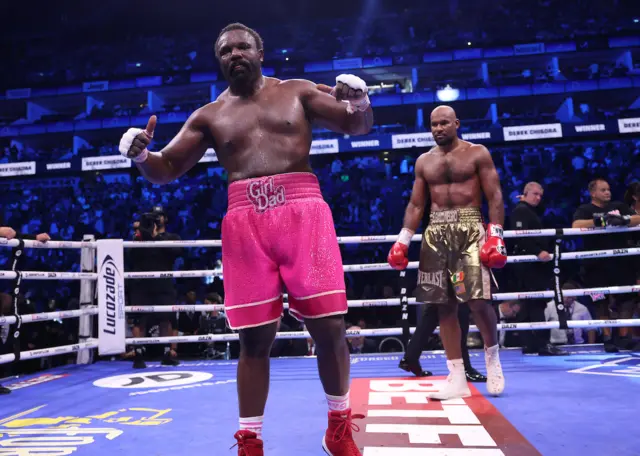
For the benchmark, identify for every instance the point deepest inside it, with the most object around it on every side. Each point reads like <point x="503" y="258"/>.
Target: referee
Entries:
<point x="532" y="276"/>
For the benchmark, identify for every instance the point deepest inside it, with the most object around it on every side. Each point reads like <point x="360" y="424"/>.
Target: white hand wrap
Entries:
<point x="125" y="145"/>
<point x="405" y="236"/>
<point x="355" y="83"/>
<point x="495" y="231"/>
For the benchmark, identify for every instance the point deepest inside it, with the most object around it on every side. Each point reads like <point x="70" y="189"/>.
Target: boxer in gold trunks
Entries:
<point x="457" y="251"/>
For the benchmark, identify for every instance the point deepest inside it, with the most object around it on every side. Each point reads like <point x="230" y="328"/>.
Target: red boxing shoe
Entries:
<point x="338" y="440"/>
<point x="248" y="444"/>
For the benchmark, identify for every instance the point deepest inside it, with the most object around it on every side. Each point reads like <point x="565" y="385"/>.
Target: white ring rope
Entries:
<point x="53" y="351"/>
<point x="42" y="275"/>
<point x="392" y="302"/>
<point x="48" y="316"/>
<point x="341" y="239"/>
<point x="45" y="275"/>
<point x="29" y="244"/>
<point x="174" y="274"/>
<point x="591" y="324"/>
<point x="93" y="343"/>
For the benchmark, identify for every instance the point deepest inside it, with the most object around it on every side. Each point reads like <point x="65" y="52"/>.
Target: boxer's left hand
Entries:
<point x="493" y="253"/>
<point x="352" y="90"/>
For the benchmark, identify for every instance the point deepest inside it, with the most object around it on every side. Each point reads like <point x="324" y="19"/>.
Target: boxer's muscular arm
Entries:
<point x="420" y="198"/>
<point x="490" y="182"/>
<point x="324" y="110"/>
<point x="181" y="154"/>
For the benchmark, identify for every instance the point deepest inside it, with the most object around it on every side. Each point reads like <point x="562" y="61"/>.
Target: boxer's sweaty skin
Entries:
<point x="454" y="174"/>
<point x="259" y="126"/>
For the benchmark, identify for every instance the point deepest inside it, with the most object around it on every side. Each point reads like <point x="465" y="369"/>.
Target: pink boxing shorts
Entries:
<point x="278" y="233"/>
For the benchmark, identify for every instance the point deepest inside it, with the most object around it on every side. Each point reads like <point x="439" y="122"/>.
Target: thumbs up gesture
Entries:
<point x="134" y="142"/>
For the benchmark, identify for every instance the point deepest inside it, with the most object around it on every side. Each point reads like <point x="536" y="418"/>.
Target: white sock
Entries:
<point x="339" y="403"/>
<point x="253" y="424"/>
<point x="492" y="351"/>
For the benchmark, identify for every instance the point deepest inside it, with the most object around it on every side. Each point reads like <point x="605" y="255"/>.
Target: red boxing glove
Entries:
<point x="493" y="253"/>
<point x="398" y="257"/>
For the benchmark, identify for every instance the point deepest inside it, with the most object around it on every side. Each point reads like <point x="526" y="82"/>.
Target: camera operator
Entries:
<point x="607" y="272"/>
<point x="154" y="292"/>
<point x="532" y="276"/>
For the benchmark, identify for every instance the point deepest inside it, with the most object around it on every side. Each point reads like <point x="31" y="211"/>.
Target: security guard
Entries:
<point x="532" y="276"/>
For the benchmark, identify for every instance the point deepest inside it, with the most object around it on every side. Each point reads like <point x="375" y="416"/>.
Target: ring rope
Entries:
<point x="591" y="324"/>
<point x="93" y="343"/>
<point x="53" y="351"/>
<point x="392" y="302"/>
<point x="18" y="275"/>
<point x="341" y="239"/>
<point x="358" y="303"/>
<point x="48" y="316"/>
<point x="44" y="275"/>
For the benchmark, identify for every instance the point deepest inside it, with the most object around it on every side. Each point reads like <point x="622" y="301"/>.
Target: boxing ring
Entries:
<point x="577" y="404"/>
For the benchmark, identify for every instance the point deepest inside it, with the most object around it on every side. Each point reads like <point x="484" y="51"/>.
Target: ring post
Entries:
<point x="87" y="299"/>
<point x="558" y="297"/>
<point x="111" y="312"/>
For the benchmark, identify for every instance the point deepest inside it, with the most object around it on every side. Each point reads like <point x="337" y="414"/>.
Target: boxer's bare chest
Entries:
<point x="454" y="167"/>
<point x="452" y="178"/>
<point x="265" y="134"/>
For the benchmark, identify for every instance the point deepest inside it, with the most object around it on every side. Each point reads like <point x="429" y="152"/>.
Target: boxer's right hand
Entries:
<point x="134" y="142"/>
<point x="398" y="257"/>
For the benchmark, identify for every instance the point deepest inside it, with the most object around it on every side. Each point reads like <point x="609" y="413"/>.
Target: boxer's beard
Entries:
<point x="443" y="141"/>
<point x="242" y="81"/>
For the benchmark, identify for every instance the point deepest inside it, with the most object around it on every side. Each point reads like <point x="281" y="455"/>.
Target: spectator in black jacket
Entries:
<point x="602" y="212"/>
<point x="154" y="292"/>
<point x="532" y="276"/>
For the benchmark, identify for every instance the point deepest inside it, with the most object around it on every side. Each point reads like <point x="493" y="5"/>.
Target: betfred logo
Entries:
<point x="401" y="420"/>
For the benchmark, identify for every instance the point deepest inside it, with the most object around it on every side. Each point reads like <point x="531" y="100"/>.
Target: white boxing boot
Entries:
<point x="456" y="386"/>
<point x="495" y="377"/>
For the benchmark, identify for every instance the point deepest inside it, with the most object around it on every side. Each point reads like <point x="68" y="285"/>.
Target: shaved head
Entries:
<point x="444" y="125"/>
<point x="444" y="111"/>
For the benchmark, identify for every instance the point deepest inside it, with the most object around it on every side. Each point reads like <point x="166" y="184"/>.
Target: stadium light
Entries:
<point x="448" y="94"/>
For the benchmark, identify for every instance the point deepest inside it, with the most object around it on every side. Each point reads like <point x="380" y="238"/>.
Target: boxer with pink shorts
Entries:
<point x="279" y="234"/>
